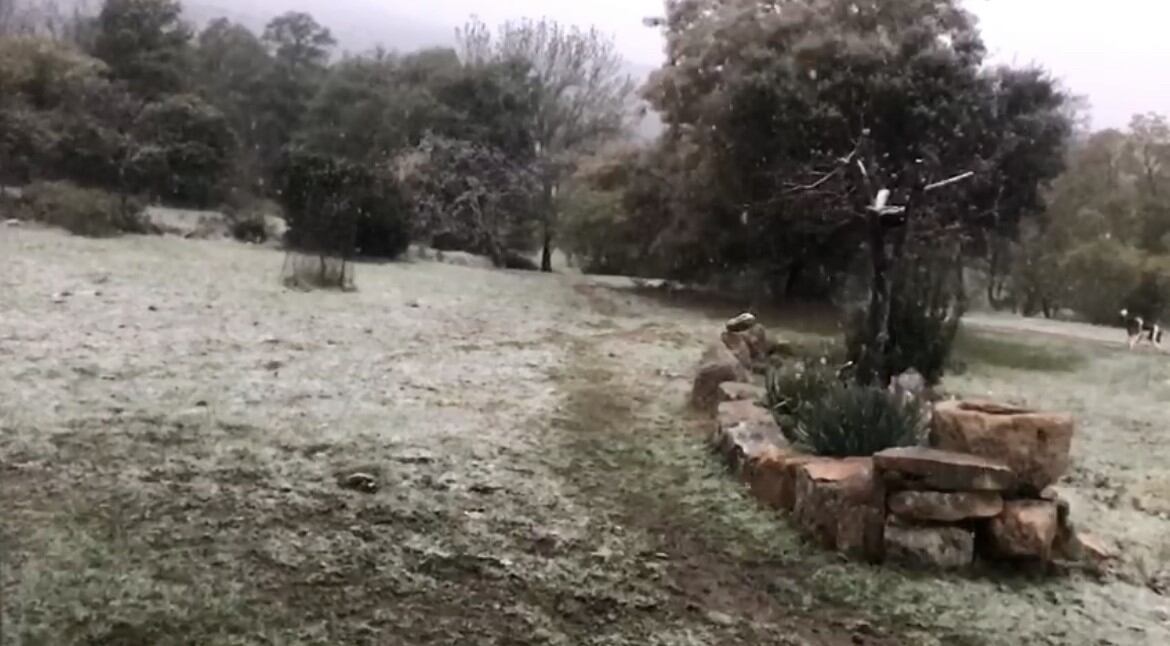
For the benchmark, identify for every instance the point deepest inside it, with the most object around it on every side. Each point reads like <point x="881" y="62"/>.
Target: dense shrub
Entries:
<point x="336" y="207"/>
<point x="793" y="389"/>
<point x="82" y="211"/>
<point x="250" y="228"/>
<point x="859" y="421"/>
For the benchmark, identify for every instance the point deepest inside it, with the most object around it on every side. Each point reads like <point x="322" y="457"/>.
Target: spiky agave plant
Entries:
<point x="859" y="421"/>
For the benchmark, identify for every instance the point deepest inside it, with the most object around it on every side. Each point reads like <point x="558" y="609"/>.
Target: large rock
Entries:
<point x="732" y="391"/>
<point x="716" y="366"/>
<point x="751" y="346"/>
<point x="930" y="547"/>
<point x="839" y="504"/>
<point x="945" y="507"/>
<point x="1025" y="529"/>
<point x="737" y="344"/>
<point x="745" y="431"/>
<point x="923" y="468"/>
<point x="1035" y="445"/>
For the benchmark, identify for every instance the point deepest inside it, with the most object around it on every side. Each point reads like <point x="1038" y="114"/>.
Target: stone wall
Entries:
<point x="981" y="489"/>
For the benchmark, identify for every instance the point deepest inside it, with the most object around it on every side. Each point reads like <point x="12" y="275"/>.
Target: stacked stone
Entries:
<point x="982" y="486"/>
<point x="985" y="483"/>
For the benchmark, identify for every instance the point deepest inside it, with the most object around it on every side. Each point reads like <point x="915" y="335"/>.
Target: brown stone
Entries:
<point x="768" y="478"/>
<point x="931" y="547"/>
<point x="830" y="490"/>
<point x="1025" y="529"/>
<point x="1035" y="445"/>
<point x="922" y="468"/>
<point x="731" y="391"/>
<point x="716" y="366"/>
<point x="947" y="507"/>
<point x="788" y="478"/>
<point x="1094" y="550"/>
<point x="757" y="340"/>
<point x="750" y="346"/>
<point x="745" y="431"/>
<point x="737" y="345"/>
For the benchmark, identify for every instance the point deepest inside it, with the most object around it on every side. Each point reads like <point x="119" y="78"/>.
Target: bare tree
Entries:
<point x="583" y="95"/>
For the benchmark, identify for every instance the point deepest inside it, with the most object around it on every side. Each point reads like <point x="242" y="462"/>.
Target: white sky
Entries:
<point x="1115" y="52"/>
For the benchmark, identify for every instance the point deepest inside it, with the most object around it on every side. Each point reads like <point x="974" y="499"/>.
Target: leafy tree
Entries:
<point x="146" y="44"/>
<point x="806" y="118"/>
<point x="300" y="48"/>
<point x="365" y="113"/>
<point x="54" y="102"/>
<point x="472" y="197"/>
<point x="582" y="96"/>
<point x="616" y="207"/>
<point x="231" y="64"/>
<point x="184" y="150"/>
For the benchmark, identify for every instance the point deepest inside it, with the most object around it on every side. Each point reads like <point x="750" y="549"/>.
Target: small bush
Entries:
<point x="793" y="389"/>
<point x="250" y="229"/>
<point x="82" y="211"/>
<point x="859" y="421"/>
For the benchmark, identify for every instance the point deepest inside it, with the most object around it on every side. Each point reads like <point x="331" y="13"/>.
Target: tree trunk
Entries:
<point x="546" y="252"/>
<point x="795" y="272"/>
<point x="549" y="217"/>
<point x="877" y="326"/>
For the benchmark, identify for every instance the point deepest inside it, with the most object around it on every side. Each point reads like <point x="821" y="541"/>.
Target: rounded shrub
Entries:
<point x="859" y="421"/>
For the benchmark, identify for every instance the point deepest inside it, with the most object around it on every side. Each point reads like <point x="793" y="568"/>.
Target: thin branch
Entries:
<point x="947" y="182"/>
<point x="809" y="187"/>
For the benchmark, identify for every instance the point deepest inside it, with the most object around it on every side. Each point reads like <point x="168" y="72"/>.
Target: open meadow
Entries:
<point x="175" y="428"/>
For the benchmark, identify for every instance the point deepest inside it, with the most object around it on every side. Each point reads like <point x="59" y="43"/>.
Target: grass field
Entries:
<point x="172" y="431"/>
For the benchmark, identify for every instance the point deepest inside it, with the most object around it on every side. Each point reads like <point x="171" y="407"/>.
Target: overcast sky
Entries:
<point x="1115" y="52"/>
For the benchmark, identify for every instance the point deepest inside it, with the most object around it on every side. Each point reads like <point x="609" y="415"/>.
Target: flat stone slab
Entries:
<point x="922" y="468"/>
<point x="945" y="507"/>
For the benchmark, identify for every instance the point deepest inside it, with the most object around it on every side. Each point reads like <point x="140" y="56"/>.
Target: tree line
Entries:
<point x="796" y="135"/>
<point x="463" y="147"/>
